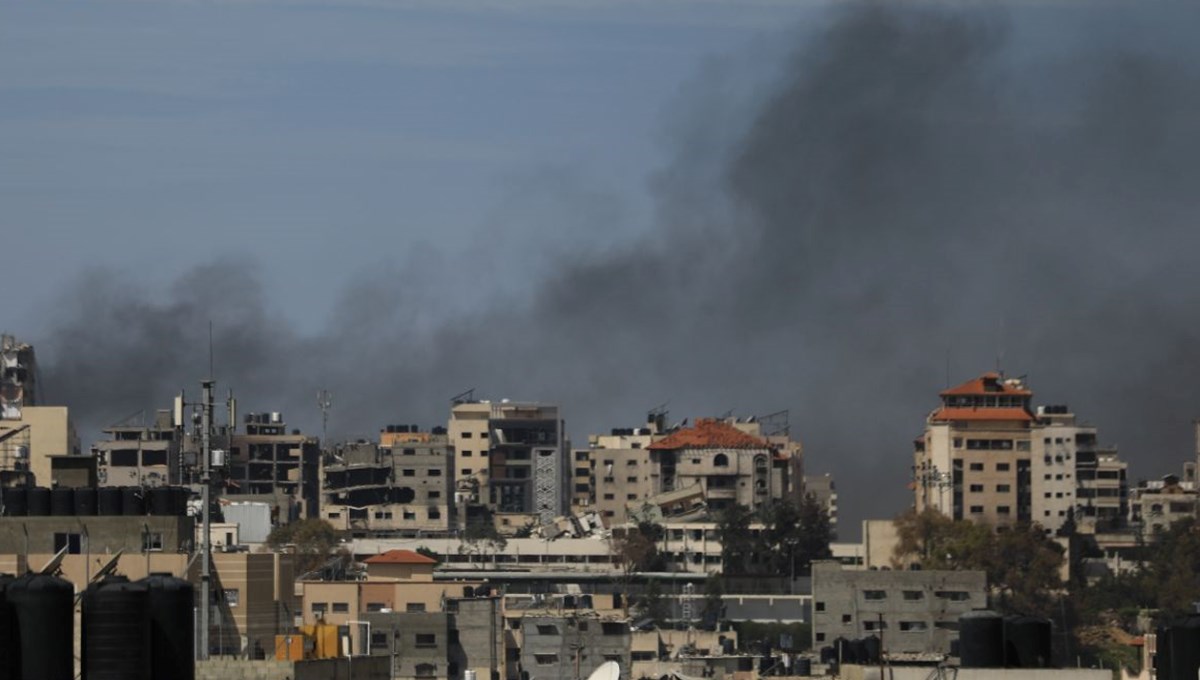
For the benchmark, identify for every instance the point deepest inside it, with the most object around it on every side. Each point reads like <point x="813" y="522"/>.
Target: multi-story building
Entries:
<point x="467" y="636"/>
<point x="268" y="463"/>
<point x="731" y="466"/>
<point x="1156" y="505"/>
<point x="824" y="491"/>
<point x="18" y="377"/>
<point x="986" y="456"/>
<point x="31" y="442"/>
<point x="620" y="469"/>
<point x="137" y="454"/>
<point x="511" y="457"/>
<point x="404" y="489"/>
<point x="917" y="610"/>
<point x="973" y="461"/>
<point x="572" y="644"/>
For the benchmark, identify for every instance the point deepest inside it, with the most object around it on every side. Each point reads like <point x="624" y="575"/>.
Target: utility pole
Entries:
<point x="206" y="531"/>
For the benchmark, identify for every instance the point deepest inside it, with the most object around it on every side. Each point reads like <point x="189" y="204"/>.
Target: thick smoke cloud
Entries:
<point x="924" y="193"/>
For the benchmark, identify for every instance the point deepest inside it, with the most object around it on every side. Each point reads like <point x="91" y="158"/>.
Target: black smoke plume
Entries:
<point x="925" y="193"/>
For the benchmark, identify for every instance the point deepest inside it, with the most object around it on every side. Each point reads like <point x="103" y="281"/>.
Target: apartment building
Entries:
<point x="18" y="377"/>
<point x="823" y="489"/>
<point x="917" y="610"/>
<point x="618" y="469"/>
<point x="404" y="489"/>
<point x="511" y="457"/>
<point x="268" y="462"/>
<point x="140" y="454"/>
<point x="572" y="644"/>
<point x="1158" y="504"/>
<point x="974" y="459"/>
<point x="467" y="636"/>
<point x="30" y="441"/>
<point x="731" y="466"/>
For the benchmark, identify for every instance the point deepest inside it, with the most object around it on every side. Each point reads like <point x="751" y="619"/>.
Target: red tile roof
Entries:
<point x="709" y="433"/>
<point x="947" y="413"/>
<point x="988" y="383"/>
<point x="400" y="557"/>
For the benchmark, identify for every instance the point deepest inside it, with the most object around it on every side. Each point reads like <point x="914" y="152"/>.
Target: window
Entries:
<point x="468" y="435"/>
<point x="1003" y="488"/>
<point x="151" y="541"/>
<point x="154" y="457"/>
<point x="546" y="629"/>
<point x="335" y="515"/>
<point x="914" y="595"/>
<point x="976" y="509"/>
<point x="874" y="594"/>
<point x="408" y="452"/>
<point x="409" y="472"/>
<point x="466" y="471"/>
<point x="631" y="480"/>
<point x="231" y="596"/>
<point x="426" y="640"/>
<point x="414" y="607"/>
<point x="425" y="670"/>
<point x="874" y="625"/>
<point x="434" y="513"/>
<point x="631" y="496"/>
<point x="958" y="442"/>
<point x="341" y="608"/>
<point x="976" y="488"/>
<point x="1002" y="510"/>
<point x="410" y="514"/>
<point x="953" y="595"/>
<point x="846" y="618"/>
<point x="1002" y="467"/>
<point x="73" y="543"/>
<point x="465" y="454"/>
<point x="375" y="606"/>
<point x="318" y="608"/>
<point x="434" y="472"/>
<point x="545" y="659"/>
<point x="913" y="626"/>
<point x="721" y="460"/>
<point x="435" y="494"/>
<point x="609" y="496"/>
<point x="977" y="467"/>
<point x="820" y="606"/>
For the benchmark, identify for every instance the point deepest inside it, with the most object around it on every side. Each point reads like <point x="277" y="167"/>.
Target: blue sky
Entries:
<point x="325" y="138"/>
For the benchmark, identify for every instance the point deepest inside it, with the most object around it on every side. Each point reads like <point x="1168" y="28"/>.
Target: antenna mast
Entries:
<point x="324" y="402"/>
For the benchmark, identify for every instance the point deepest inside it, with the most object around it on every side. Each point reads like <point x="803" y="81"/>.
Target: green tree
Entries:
<point x="652" y="605"/>
<point x="738" y="546"/>
<point x="313" y="540"/>
<point x="480" y="537"/>
<point x="714" y="604"/>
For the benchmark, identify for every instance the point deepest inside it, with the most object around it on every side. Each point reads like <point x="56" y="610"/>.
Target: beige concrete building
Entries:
<point x="620" y="470"/>
<point x="823" y="489"/>
<point x="1158" y="504"/>
<point x="403" y="490"/>
<point x="973" y="461"/>
<point x="137" y="454"/>
<point x="29" y="441"/>
<point x="510" y="457"/>
<point x="732" y="466"/>
<point x="268" y="462"/>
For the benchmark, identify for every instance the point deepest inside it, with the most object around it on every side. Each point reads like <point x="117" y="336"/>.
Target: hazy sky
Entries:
<point x="725" y="206"/>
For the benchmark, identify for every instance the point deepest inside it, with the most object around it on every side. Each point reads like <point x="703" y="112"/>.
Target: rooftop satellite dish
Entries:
<point x="609" y="670"/>
<point x="55" y="562"/>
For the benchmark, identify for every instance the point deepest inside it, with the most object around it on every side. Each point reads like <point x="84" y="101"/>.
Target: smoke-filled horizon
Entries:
<point x="924" y="193"/>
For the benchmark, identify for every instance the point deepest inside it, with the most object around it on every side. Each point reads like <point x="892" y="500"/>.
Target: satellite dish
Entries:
<point x="55" y="562"/>
<point x="609" y="670"/>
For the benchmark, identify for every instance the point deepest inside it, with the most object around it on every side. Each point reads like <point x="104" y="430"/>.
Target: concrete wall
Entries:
<point x="554" y="645"/>
<point x="103" y="533"/>
<point x="854" y="672"/>
<point x="919" y="609"/>
<point x="364" y="668"/>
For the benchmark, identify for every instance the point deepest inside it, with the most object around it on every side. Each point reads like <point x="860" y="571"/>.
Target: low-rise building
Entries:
<point x="572" y="644"/>
<point x="917" y="611"/>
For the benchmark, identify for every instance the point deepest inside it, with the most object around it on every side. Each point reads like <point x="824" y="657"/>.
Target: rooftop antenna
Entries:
<point x="463" y="397"/>
<point x="210" y="349"/>
<point x="324" y="402"/>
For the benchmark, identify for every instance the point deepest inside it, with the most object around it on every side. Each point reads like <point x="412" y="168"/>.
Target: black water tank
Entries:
<point x="62" y="501"/>
<point x="45" y="613"/>
<point x="133" y="502"/>
<point x="182" y="495"/>
<point x="10" y="659"/>
<point x="872" y="649"/>
<point x="1027" y="642"/>
<point x="1162" y="653"/>
<point x="160" y="500"/>
<point x="85" y="501"/>
<point x="857" y="651"/>
<point x="39" y="501"/>
<point x="172" y="631"/>
<point x="981" y="639"/>
<point x="803" y="666"/>
<point x="108" y="501"/>
<point x="16" y="501"/>
<point x="116" y="632"/>
<point x="1184" y="649"/>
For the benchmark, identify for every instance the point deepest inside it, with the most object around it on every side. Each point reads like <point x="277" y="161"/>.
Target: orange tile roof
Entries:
<point x="709" y="433"/>
<point x="988" y="383"/>
<point x="400" y="557"/>
<point x="947" y="413"/>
